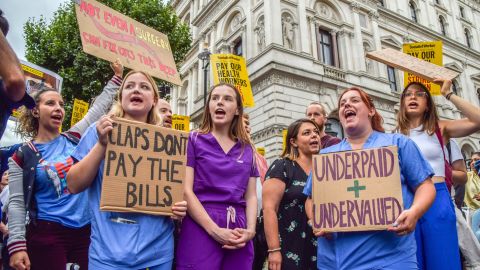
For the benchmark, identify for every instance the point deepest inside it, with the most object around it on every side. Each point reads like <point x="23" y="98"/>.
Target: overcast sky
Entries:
<point x="17" y="13"/>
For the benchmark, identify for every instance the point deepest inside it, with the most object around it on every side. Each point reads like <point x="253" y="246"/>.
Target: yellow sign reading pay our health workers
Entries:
<point x="232" y="69"/>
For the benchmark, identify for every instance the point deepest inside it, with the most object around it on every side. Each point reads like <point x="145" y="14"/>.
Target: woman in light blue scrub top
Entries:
<point x="395" y="247"/>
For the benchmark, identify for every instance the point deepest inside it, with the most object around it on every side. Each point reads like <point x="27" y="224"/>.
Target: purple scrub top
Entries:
<point x="220" y="177"/>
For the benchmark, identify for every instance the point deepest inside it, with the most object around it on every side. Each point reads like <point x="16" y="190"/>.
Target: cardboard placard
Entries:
<point x="144" y="168"/>
<point x="232" y="69"/>
<point x="80" y="109"/>
<point x="405" y="62"/>
<point x="430" y="52"/>
<point x="356" y="190"/>
<point x="109" y="35"/>
<point x="181" y="122"/>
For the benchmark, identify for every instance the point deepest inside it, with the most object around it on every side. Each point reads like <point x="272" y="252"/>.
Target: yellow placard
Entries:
<point x="232" y="69"/>
<point x="284" y="139"/>
<point x="181" y="122"/>
<point x="32" y="70"/>
<point x="430" y="52"/>
<point x="261" y="150"/>
<point x="80" y="108"/>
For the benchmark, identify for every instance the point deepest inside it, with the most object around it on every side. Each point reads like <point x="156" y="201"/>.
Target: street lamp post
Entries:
<point x="205" y="57"/>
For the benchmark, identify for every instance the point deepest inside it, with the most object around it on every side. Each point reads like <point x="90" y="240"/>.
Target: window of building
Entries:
<point x="392" y="78"/>
<point x="443" y="25"/>
<point x="478" y="95"/>
<point x="462" y="12"/>
<point x="468" y="37"/>
<point x="326" y="47"/>
<point x="363" y="20"/>
<point x="237" y="47"/>
<point x="381" y="3"/>
<point x="437" y="2"/>
<point x="413" y="11"/>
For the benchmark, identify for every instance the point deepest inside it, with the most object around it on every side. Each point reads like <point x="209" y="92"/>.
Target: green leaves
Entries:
<point x="56" y="45"/>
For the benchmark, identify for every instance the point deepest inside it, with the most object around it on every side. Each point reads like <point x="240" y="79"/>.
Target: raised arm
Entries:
<point x="11" y="72"/>
<point x="102" y="102"/>
<point x="461" y="127"/>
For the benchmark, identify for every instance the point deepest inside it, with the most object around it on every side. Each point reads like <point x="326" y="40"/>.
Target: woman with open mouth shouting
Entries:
<point x="58" y="230"/>
<point x="436" y="233"/>
<point x="393" y="248"/>
<point x="290" y="239"/>
<point x="122" y="241"/>
<point x="220" y="188"/>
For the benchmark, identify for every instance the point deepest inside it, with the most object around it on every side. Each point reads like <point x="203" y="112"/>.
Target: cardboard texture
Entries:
<point x="144" y="168"/>
<point x="405" y="62"/>
<point x="430" y="52"/>
<point x="232" y="69"/>
<point x="356" y="190"/>
<point x="181" y="122"/>
<point x="109" y="35"/>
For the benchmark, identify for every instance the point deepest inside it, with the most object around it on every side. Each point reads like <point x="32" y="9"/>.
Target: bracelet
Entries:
<point x="447" y="96"/>
<point x="274" y="250"/>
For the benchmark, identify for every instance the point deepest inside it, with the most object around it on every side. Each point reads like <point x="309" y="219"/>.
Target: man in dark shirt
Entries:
<point x="316" y="112"/>
<point x="12" y="81"/>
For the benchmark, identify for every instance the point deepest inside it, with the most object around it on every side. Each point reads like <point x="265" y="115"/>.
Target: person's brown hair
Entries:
<point x="153" y="117"/>
<point x="27" y="126"/>
<point x="291" y="152"/>
<point x="237" y="129"/>
<point x="430" y="117"/>
<point x="377" y="120"/>
<point x="316" y="103"/>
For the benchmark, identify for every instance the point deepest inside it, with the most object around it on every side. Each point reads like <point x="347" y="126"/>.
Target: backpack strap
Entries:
<point x="72" y="137"/>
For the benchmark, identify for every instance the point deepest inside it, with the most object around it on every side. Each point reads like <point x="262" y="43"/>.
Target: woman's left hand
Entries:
<point x="179" y="210"/>
<point x="405" y="223"/>
<point x="244" y="236"/>
<point x="446" y="85"/>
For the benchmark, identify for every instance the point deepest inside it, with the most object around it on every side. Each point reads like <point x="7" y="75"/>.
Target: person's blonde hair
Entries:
<point x="28" y="125"/>
<point x="153" y="117"/>
<point x="430" y="117"/>
<point x="237" y="130"/>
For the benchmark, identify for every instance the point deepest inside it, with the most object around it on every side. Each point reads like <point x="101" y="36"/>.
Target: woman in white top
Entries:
<point x="436" y="234"/>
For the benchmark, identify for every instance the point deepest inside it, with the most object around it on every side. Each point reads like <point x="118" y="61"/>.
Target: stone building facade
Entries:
<point x="299" y="51"/>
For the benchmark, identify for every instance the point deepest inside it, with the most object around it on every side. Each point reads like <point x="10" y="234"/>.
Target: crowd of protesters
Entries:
<point x="238" y="212"/>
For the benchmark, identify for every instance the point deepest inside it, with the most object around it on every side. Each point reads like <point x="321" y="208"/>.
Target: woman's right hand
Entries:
<point x="224" y="236"/>
<point x="104" y="126"/>
<point x="20" y="261"/>
<point x="274" y="260"/>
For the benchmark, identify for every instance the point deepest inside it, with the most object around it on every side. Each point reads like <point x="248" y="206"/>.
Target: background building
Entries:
<point x="300" y="51"/>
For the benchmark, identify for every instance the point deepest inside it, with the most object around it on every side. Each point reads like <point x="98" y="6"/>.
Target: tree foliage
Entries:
<point x="56" y="45"/>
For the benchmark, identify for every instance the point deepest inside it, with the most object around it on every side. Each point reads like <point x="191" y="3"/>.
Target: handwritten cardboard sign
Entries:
<point x="430" y="52"/>
<point x="144" y="168"/>
<point x="80" y="109"/>
<point x="109" y="35"/>
<point x="408" y="63"/>
<point x="356" y="190"/>
<point x="232" y="69"/>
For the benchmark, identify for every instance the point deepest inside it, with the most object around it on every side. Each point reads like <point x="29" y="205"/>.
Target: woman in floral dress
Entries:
<point x="291" y="243"/>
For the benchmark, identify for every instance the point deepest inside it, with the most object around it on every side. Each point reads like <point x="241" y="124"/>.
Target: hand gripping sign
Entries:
<point x="356" y="190"/>
<point x="144" y="168"/>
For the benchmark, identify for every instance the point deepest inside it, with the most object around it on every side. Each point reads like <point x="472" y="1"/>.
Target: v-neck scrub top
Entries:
<point x="220" y="177"/>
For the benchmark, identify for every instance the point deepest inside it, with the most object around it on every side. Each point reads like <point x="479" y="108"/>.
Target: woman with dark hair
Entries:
<point x="58" y="224"/>
<point x="436" y="233"/>
<point x="393" y="248"/>
<point x="290" y="240"/>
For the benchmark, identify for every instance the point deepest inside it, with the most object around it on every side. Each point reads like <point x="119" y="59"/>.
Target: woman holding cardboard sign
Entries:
<point x="220" y="187"/>
<point x="375" y="249"/>
<point x="122" y="240"/>
<point x="291" y="243"/>
<point x="59" y="223"/>
<point x="436" y="234"/>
